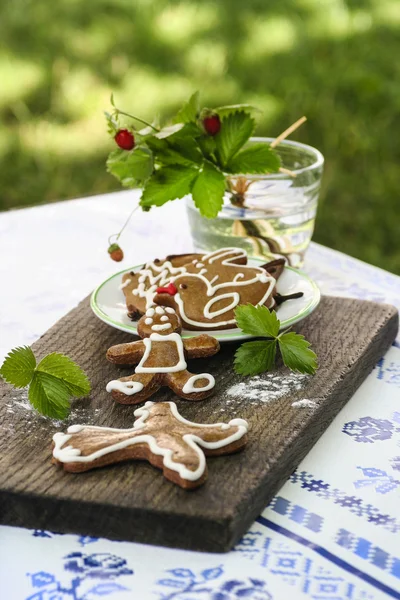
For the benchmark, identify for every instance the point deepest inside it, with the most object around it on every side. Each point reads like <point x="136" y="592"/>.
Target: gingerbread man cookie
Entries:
<point x="161" y="360"/>
<point x="160" y="435"/>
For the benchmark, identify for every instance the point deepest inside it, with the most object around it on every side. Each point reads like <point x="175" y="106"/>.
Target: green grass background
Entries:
<point x="337" y="61"/>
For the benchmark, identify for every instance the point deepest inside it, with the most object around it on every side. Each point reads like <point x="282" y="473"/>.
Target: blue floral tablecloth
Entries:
<point x="333" y="530"/>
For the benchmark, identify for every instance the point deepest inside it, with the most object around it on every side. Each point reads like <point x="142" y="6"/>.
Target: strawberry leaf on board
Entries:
<point x="168" y="183"/>
<point x="257" y="158"/>
<point x="49" y="395"/>
<point x="257" y="320"/>
<point x="236" y="128"/>
<point x="132" y="167"/>
<point x="65" y="369"/>
<point x="253" y="358"/>
<point x="296" y="353"/>
<point x="256" y="357"/>
<point x="19" y="366"/>
<point x="208" y="190"/>
<point x="190" y="110"/>
<point x="51" y="383"/>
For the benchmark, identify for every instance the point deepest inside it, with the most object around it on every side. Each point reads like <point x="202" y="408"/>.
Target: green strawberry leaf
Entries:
<point x="166" y="132"/>
<point x="257" y="158"/>
<point x="236" y="128"/>
<point x="208" y="190"/>
<point x="296" y="353"/>
<point x="168" y="183"/>
<point x="257" y="320"/>
<point x="255" y="357"/>
<point x="18" y="367"/>
<point x="51" y="382"/>
<point x="190" y="110"/>
<point x="49" y="395"/>
<point x="179" y="147"/>
<point x="63" y="368"/>
<point x="208" y="146"/>
<point x="224" y="111"/>
<point x="130" y="168"/>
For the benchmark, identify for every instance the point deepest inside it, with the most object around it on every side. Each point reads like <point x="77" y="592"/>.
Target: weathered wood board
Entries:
<point x="133" y="501"/>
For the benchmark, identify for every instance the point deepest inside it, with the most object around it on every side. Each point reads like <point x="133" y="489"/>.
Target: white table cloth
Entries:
<point x="333" y="530"/>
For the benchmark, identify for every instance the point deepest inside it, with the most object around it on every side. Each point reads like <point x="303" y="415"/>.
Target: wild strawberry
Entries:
<point x="115" y="253"/>
<point x="125" y="139"/>
<point x="212" y="124"/>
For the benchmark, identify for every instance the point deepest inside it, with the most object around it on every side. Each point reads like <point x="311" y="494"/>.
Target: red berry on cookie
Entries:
<point x="125" y="139"/>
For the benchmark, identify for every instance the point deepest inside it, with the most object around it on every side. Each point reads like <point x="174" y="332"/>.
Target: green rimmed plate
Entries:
<point x="108" y="303"/>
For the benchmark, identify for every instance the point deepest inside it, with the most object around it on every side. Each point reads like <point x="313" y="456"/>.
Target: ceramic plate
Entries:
<point x="108" y="303"/>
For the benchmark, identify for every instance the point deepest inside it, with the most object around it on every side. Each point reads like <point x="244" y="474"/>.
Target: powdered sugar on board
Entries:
<point x="269" y="387"/>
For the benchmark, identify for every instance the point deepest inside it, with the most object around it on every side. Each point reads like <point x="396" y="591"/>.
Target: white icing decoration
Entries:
<point x="199" y="265"/>
<point x="150" y="312"/>
<point x="126" y="387"/>
<point x="159" y="310"/>
<point x="218" y="254"/>
<point x="148" y="321"/>
<point x="235" y="301"/>
<point x="164" y="318"/>
<point x="189" y="388"/>
<point x="125" y="284"/>
<point x="156" y="337"/>
<point x="166" y="270"/>
<point x="211" y="290"/>
<point x="169" y="310"/>
<point x="161" y="327"/>
<point x="67" y="454"/>
<point x="160" y="279"/>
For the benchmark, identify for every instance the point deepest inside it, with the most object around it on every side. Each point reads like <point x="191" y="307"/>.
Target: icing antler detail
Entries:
<point x="160" y="435"/>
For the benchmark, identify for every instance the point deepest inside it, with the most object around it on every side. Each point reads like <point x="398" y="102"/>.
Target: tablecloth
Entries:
<point x="333" y="530"/>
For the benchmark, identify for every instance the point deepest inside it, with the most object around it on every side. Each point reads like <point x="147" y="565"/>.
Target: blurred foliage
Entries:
<point x="333" y="60"/>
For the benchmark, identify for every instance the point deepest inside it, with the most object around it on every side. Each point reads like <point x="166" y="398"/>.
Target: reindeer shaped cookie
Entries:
<point x="206" y="295"/>
<point x="217" y="270"/>
<point x="161" y="360"/>
<point x="160" y="435"/>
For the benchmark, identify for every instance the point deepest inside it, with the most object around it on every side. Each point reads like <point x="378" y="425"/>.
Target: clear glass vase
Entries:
<point x="270" y="216"/>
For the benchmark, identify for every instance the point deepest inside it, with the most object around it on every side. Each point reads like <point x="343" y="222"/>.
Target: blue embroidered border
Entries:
<point x="359" y="546"/>
<point x="355" y="505"/>
<point x="329" y="556"/>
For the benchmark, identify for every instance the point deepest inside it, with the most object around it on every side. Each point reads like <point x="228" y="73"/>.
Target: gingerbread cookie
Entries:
<point x="161" y="360"/>
<point x="139" y="287"/>
<point x="206" y="296"/>
<point x="216" y="270"/>
<point x="160" y="435"/>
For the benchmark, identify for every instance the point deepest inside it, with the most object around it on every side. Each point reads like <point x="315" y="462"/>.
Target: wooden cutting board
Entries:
<point x="287" y="414"/>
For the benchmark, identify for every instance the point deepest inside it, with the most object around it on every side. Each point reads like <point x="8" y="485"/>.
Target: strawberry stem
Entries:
<point x="136" y="118"/>
<point x="117" y="235"/>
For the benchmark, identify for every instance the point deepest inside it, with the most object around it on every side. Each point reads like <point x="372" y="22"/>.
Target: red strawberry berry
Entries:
<point x="212" y="124"/>
<point x="115" y="253"/>
<point x="125" y="139"/>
